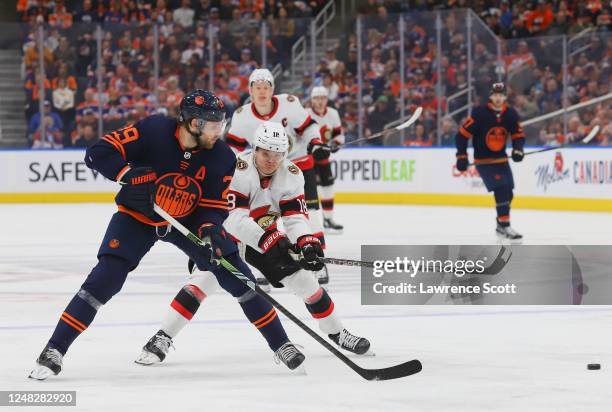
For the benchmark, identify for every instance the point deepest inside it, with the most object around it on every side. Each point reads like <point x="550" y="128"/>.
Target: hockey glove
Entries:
<point x="462" y="163"/>
<point x="311" y="250"/>
<point x="334" y="146"/>
<point x="276" y="248"/>
<point x="517" y="155"/>
<point x="138" y="190"/>
<point x="320" y="151"/>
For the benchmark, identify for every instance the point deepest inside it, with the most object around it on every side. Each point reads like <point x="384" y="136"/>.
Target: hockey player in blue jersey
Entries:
<point x="489" y="127"/>
<point x="181" y="165"/>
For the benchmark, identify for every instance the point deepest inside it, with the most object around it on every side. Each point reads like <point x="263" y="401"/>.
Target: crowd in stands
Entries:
<point x="123" y="88"/>
<point x="531" y="64"/>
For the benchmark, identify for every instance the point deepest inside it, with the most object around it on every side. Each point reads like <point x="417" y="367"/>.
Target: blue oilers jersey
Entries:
<point x="191" y="185"/>
<point x="489" y="130"/>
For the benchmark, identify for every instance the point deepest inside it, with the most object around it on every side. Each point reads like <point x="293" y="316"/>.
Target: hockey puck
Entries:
<point x="593" y="366"/>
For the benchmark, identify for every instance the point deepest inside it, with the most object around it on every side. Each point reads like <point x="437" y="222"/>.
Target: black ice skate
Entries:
<point x="49" y="362"/>
<point x="290" y="355"/>
<point x="322" y="276"/>
<point x="350" y="342"/>
<point x="507" y="233"/>
<point x="156" y="349"/>
<point x="332" y="227"/>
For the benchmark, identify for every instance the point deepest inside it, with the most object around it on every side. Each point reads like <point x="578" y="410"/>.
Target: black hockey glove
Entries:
<point x="276" y="248"/>
<point x="462" y="163"/>
<point x="334" y="146"/>
<point x="138" y="190"/>
<point x="320" y="151"/>
<point x="517" y="155"/>
<point x="311" y="250"/>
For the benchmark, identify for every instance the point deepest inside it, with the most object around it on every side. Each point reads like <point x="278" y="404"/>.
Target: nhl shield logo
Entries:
<point x="177" y="194"/>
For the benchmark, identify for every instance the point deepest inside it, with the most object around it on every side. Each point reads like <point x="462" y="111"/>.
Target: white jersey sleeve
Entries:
<point x="336" y="126"/>
<point x="300" y="120"/>
<point x="292" y="203"/>
<point x="239" y="222"/>
<point x="238" y="136"/>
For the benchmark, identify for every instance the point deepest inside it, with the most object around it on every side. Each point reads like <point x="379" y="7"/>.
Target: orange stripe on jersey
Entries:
<point x="140" y="217"/>
<point x="220" y="202"/>
<point x="505" y="218"/>
<point x="122" y="172"/>
<point x="518" y="135"/>
<point x="465" y="133"/>
<point x="116" y="144"/>
<point x="213" y="205"/>
<point x="490" y="161"/>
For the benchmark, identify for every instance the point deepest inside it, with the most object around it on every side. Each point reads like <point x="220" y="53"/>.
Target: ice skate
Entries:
<point x="331" y="227"/>
<point x="290" y="355"/>
<point x="508" y="233"/>
<point x="156" y="349"/>
<point x="48" y="363"/>
<point x="349" y="342"/>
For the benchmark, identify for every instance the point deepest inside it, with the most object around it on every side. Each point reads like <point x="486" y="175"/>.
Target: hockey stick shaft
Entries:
<point x="594" y="131"/>
<point x="415" y="116"/>
<point x="347" y="262"/>
<point x="394" y="372"/>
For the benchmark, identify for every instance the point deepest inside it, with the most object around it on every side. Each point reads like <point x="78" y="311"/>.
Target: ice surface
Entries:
<point x="475" y="358"/>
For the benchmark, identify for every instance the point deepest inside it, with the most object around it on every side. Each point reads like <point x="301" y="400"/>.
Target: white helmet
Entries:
<point x="260" y="75"/>
<point x="319" y="91"/>
<point x="271" y="136"/>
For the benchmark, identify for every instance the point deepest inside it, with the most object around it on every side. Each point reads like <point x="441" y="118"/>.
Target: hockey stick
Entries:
<point x="590" y="136"/>
<point x="415" y="116"/>
<point x="500" y="261"/>
<point x="393" y="372"/>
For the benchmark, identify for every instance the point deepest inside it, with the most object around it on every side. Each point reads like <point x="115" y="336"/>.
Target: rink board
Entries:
<point x="568" y="179"/>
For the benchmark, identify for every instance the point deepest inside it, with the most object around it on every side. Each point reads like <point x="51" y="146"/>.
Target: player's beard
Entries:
<point x="200" y="142"/>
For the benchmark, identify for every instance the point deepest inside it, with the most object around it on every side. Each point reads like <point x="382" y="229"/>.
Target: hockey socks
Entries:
<point x="327" y="201"/>
<point x="77" y="316"/>
<point x="321" y="307"/>
<point x="503" y="198"/>
<point x="264" y="317"/>
<point x="184" y="305"/>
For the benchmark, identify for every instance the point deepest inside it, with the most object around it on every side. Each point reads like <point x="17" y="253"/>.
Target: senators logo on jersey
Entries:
<point x="496" y="138"/>
<point x="177" y="194"/>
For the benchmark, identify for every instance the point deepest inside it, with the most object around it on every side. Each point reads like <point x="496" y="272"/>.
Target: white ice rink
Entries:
<point x="475" y="358"/>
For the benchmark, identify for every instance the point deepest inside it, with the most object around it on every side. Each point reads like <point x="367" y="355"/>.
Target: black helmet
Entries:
<point x="201" y="104"/>
<point x="498" y="87"/>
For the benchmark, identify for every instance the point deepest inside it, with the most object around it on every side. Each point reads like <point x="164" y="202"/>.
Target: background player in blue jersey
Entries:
<point x="181" y="165"/>
<point x="489" y="128"/>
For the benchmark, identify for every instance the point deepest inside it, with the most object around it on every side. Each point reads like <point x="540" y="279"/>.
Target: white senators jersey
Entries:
<point x="330" y="127"/>
<point x="287" y="111"/>
<point x="257" y="203"/>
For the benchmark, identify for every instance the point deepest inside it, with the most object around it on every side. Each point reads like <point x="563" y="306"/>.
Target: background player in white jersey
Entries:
<point x="267" y="188"/>
<point x="330" y="129"/>
<point x="305" y="145"/>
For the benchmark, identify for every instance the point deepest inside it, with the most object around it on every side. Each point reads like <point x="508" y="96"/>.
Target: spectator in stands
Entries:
<point x="53" y="137"/>
<point x="448" y="132"/>
<point x="60" y="18"/>
<point x="184" y="15"/>
<point x="63" y="101"/>
<point x="86" y="137"/>
<point x="56" y="121"/>
<point x="191" y="50"/>
<point x="418" y="137"/>
<point x="85" y="14"/>
<point x="377" y="119"/>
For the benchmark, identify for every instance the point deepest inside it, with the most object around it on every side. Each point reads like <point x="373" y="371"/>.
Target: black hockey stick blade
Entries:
<point x="392" y="372"/>
<point x="503" y="256"/>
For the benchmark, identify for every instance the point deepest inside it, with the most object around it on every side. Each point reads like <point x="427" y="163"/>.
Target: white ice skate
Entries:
<point x="507" y="233"/>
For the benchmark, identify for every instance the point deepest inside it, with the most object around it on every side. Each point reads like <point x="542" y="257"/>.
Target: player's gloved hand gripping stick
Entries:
<point x="393" y="372"/>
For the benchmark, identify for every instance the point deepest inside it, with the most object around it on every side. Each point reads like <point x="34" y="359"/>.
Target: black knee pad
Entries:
<point x="107" y="277"/>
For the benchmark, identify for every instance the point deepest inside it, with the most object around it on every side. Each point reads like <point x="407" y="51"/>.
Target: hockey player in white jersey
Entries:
<point x="330" y="130"/>
<point x="305" y="145"/>
<point x="266" y="190"/>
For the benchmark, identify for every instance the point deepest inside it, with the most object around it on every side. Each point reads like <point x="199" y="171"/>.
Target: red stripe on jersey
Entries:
<point x="304" y="162"/>
<point x="303" y="126"/>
